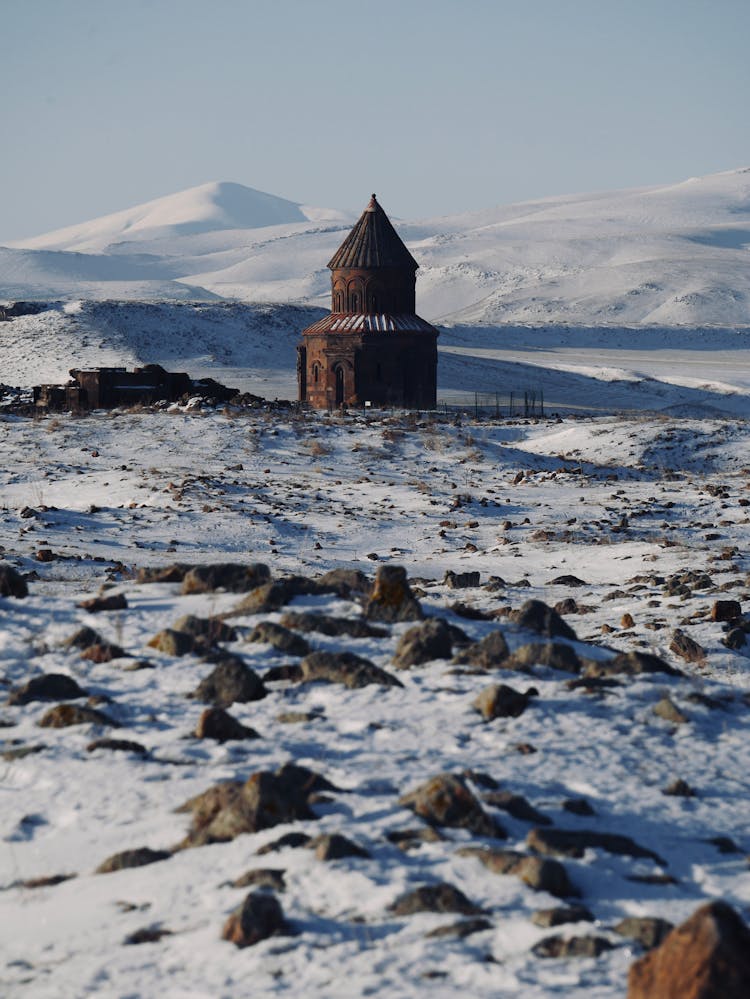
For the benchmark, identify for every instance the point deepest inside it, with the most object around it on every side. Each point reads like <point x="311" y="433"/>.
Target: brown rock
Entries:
<point x="501" y="701"/>
<point x="229" y="576"/>
<point x="558" y="655"/>
<point x="558" y="946"/>
<point x="446" y="800"/>
<point x="441" y="897"/>
<point x="218" y="724"/>
<point x="706" y="957"/>
<point x="517" y="806"/>
<point x="626" y="621"/>
<point x="273" y="596"/>
<point x="631" y="664"/>
<point x="726" y="610"/>
<point x="260" y="916"/>
<point x="280" y="638"/>
<point x="492" y="651"/>
<point x="116" y="601"/>
<point x="229" y="681"/>
<point x="265" y="800"/>
<point x="539" y="873"/>
<point x="334" y="846"/>
<point x="573" y="842"/>
<point x="535" y="615"/>
<point x="64" y="715"/>
<point x="123" y="745"/>
<point x="103" y="652"/>
<point x="173" y="643"/>
<point x="686" y="647"/>
<point x="391" y="599"/>
<point x="345" y="667"/>
<point x="47" y="687"/>
<point x="560" y="915"/>
<point x="334" y="626"/>
<point x="648" y="931"/>
<point x="423" y="643"/>
<point x="463" y="928"/>
<point x="208" y="629"/>
<point x="668" y="710"/>
<point x="261" y="877"/>
<point x="132" y="858"/>
<point x="12" y="583"/>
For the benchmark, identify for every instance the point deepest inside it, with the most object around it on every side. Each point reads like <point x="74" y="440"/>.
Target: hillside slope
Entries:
<point x="667" y="255"/>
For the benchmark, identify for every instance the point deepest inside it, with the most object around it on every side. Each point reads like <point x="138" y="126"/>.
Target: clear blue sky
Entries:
<point x="438" y="105"/>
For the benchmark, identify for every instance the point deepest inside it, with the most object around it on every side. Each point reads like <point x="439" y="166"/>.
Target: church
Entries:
<point x="372" y="347"/>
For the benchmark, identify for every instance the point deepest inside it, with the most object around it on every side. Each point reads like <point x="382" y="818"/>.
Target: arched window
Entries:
<point x="355" y="301"/>
<point x="316" y="372"/>
<point x="339" y="373"/>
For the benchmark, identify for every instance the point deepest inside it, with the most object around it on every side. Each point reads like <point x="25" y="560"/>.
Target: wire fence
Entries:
<point x="529" y="402"/>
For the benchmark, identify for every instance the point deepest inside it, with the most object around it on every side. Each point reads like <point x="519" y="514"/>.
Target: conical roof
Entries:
<point x="373" y="242"/>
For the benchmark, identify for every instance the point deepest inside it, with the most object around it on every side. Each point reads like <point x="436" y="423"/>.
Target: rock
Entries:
<point x="103" y="652"/>
<point x="334" y="846"/>
<point x="47" y="687"/>
<point x="567" y="580"/>
<point x="266" y="799"/>
<point x="441" y="897"/>
<point x="668" y="710"/>
<point x="64" y="715"/>
<point x="116" y="601"/>
<point x="210" y="629"/>
<point x="344" y="667"/>
<point x="463" y="928"/>
<point x="539" y="873"/>
<point x="735" y="639"/>
<point x="173" y="643"/>
<point x="557" y="655"/>
<point x="726" y="610"/>
<point x="132" y="858"/>
<point x="292" y="840"/>
<point x="536" y="616"/>
<point x="123" y="745"/>
<point x="501" y="701"/>
<point x="460" y="580"/>
<point x="12" y="583"/>
<point x="260" y="916"/>
<point x="230" y="576"/>
<point x="149" y="934"/>
<point x="558" y="946"/>
<point x="411" y="839"/>
<point x="679" y="788"/>
<point x="627" y="621"/>
<point x="686" y="647"/>
<point x="391" y="599"/>
<point x="706" y="957"/>
<point x="578" y="806"/>
<point x="164" y="574"/>
<point x="572" y="843"/>
<point x="333" y="626"/>
<point x="560" y="915"/>
<point x="489" y="653"/>
<point x="280" y="638"/>
<point x="229" y="681"/>
<point x="289" y="671"/>
<point x="270" y="597"/>
<point x="83" y="638"/>
<point x="648" y="931"/>
<point x="422" y="643"/>
<point x="298" y="717"/>
<point x="517" y="806"/>
<point x="46" y="880"/>
<point x="261" y="877"/>
<point x="631" y="664"/>
<point x="216" y="723"/>
<point x="345" y="583"/>
<point x="567" y="606"/>
<point x="446" y="800"/>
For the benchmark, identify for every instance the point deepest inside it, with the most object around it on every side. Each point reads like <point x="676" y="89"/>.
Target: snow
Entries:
<point x="667" y="255"/>
<point x="306" y="494"/>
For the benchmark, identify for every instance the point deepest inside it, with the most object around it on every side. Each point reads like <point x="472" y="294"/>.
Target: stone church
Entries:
<point x="372" y="347"/>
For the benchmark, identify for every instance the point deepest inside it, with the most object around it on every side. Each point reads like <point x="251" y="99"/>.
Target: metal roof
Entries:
<point x="373" y="242"/>
<point x="345" y="322"/>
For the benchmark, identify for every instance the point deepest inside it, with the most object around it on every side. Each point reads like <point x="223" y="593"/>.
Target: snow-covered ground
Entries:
<point x="669" y="255"/>
<point x="649" y="513"/>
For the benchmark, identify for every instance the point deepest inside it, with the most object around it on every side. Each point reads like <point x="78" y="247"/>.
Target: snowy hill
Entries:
<point x="667" y="255"/>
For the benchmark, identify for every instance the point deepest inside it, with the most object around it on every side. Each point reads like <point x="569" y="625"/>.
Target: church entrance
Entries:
<point x="339" y="372"/>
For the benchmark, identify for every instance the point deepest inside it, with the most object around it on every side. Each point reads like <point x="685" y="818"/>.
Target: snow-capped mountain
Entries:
<point x="667" y="255"/>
